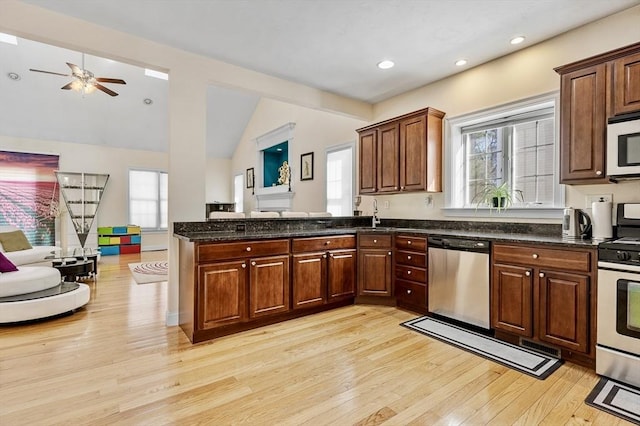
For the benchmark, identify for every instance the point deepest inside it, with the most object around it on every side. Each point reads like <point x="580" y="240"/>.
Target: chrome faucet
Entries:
<point x="375" y="220"/>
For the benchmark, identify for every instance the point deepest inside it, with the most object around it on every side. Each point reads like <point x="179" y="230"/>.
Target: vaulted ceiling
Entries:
<point x="331" y="45"/>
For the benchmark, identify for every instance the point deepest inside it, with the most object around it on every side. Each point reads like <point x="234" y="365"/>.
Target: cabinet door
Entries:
<point x="341" y="281"/>
<point x="309" y="278"/>
<point x="388" y="156"/>
<point x="374" y="272"/>
<point x="368" y="165"/>
<point x="564" y="310"/>
<point x="626" y="84"/>
<point x="221" y="294"/>
<point x="511" y="299"/>
<point x="413" y="154"/>
<point x="269" y="286"/>
<point x="583" y="125"/>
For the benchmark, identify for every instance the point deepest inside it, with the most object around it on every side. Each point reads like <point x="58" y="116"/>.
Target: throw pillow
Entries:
<point x="6" y="265"/>
<point x="14" y="241"/>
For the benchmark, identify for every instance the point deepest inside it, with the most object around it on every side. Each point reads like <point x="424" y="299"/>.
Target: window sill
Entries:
<point x="511" y="212"/>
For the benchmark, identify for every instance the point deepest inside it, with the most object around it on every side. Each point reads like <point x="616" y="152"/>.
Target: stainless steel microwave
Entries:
<point x="623" y="146"/>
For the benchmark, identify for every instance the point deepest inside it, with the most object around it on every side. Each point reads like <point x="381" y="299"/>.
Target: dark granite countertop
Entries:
<point x="225" y="230"/>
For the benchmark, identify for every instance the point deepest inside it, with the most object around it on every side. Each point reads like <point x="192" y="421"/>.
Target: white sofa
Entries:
<point x="35" y="256"/>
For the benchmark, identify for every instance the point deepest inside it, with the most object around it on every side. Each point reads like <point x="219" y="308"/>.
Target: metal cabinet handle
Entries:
<point x="375" y="241"/>
<point x="598" y="172"/>
<point x="408" y="291"/>
<point x="324" y="256"/>
<point x="244" y="265"/>
<point x="528" y="273"/>
<point x="408" y="257"/>
<point x="535" y="256"/>
<point x="396" y="187"/>
<point x="327" y="243"/>
<point x="541" y="274"/>
<point x="248" y="248"/>
<point x="389" y="253"/>
<point x="409" y="242"/>
<point x="253" y="263"/>
<point x="330" y="254"/>
<point x="402" y="187"/>
<point x="408" y="272"/>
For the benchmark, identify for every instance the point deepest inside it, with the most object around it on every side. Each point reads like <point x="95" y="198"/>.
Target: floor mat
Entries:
<point x="616" y="398"/>
<point x="521" y="359"/>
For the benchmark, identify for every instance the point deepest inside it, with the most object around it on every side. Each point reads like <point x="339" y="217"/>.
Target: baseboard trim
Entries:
<point x="171" y="319"/>
<point x="153" y="248"/>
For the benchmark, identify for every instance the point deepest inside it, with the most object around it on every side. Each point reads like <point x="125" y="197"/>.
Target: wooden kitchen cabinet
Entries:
<point x="546" y="295"/>
<point x="402" y="154"/>
<point x="374" y="265"/>
<point x="410" y="278"/>
<point x="324" y="270"/>
<point x="626" y="83"/>
<point x="222" y="290"/>
<point x="591" y="91"/>
<point x="269" y="286"/>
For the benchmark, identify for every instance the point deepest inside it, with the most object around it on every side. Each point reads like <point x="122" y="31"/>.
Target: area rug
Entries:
<point x="150" y="272"/>
<point x="616" y="398"/>
<point x="528" y="362"/>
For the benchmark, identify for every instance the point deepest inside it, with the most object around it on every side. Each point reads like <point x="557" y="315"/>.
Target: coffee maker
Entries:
<point x="575" y="224"/>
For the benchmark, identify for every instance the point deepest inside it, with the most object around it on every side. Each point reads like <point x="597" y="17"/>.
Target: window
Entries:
<point x="148" y="196"/>
<point x="238" y="192"/>
<point x="515" y="144"/>
<point x="340" y="180"/>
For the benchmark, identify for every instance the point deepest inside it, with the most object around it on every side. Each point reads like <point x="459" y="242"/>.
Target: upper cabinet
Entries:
<point x="591" y="91"/>
<point x="402" y="154"/>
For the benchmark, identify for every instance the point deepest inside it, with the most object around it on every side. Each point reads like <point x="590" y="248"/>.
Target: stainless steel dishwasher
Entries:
<point x="459" y="279"/>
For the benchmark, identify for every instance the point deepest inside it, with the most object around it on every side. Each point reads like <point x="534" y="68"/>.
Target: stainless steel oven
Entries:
<point x="618" y="314"/>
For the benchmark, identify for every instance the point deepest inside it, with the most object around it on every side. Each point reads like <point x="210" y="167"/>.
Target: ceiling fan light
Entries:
<point x="76" y="85"/>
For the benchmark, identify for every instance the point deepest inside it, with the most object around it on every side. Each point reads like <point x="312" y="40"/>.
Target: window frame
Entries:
<point x="454" y="178"/>
<point x="335" y="148"/>
<point x="159" y="198"/>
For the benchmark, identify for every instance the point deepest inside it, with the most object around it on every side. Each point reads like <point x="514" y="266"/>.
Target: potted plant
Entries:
<point x="499" y="197"/>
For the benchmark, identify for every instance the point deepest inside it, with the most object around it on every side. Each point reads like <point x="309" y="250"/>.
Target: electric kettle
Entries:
<point x="575" y="224"/>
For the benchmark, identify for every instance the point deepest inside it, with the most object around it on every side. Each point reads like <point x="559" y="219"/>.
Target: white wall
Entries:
<point x="523" y="74"/>
<point x="219" y="181"/>
<point x="315" y="130"/>
<point x="115" y="162"/>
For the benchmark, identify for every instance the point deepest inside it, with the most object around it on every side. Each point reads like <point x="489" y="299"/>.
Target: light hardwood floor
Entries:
<point x="115" y="362"/>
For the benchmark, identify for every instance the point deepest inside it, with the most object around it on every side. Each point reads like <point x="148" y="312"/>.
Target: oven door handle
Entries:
<point x="619" y="267"/>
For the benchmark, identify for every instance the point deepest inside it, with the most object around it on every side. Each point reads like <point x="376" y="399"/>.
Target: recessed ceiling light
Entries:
<point x="156" y="74"/>
<point x="461" y="62"/>
<point x="147" y="101"/>
<point x="8" y="38"/>
<point x="13" y="76"/>
<point x="385" y="65"/>
<point x="517" y="40"/>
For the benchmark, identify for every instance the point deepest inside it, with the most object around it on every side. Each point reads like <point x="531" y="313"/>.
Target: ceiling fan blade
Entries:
<point x="110" y="80"/>
<point x="105" y="90"/>
<point x="49" y="72"/>
<point x="67" y="86"/>
<point x="76" y="70"/>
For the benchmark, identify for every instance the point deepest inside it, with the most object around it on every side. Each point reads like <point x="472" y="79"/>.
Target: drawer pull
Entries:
<point x="409" y="242"/>
<point x="598" y="172"/>
<point x="535" y="255"/>
<point x="244" y="265"/>
<point x="327" y="243"/>
<point x="330" y="254"/>
<point x="408" y="257"/>
<point x="248" y="248"/>
<point x="541" y="274"/>
<point x="324" y="256"/>
<point x="408" y="272"/>
<point x="389" y="253"/>
<point x="253" y="263"/>
<point x="528" y="273"/>
<point x="408" y="291"/>
<point x="375" y="241"/>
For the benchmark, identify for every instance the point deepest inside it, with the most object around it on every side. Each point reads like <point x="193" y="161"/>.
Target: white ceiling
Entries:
<point x="332" y="45"/>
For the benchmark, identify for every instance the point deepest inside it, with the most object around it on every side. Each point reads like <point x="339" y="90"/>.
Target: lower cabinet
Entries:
<point x="222" y="292"/>
<point x="324" y="270"/>
<point x="410" y="279"/>
<point x="268" y="286"/>
<point x="375" y="265"/>
<point x="546" y="295"/>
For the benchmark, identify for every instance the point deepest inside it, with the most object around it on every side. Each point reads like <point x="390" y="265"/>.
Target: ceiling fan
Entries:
<point x="85" y="81"/>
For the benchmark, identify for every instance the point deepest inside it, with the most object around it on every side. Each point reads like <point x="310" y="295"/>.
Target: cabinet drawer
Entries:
<point x="411" y="293"/>
<point x="411" y="273"/>
<point x="406" y="242"/>
<point x="213" y="252"/>
<point x="299" y="245"/>
<point x="410" y="258"/>
<point x="539" y="257"/>
<point x="375" y="240"/>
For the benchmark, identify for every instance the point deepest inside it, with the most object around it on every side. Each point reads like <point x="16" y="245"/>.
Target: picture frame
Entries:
<point x="306" y="166"/>
<point x="250" y="178"/>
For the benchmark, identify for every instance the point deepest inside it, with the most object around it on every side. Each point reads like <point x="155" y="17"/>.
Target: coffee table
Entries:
<point x="77" y="254"/>
<point x="71" y="270"/>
